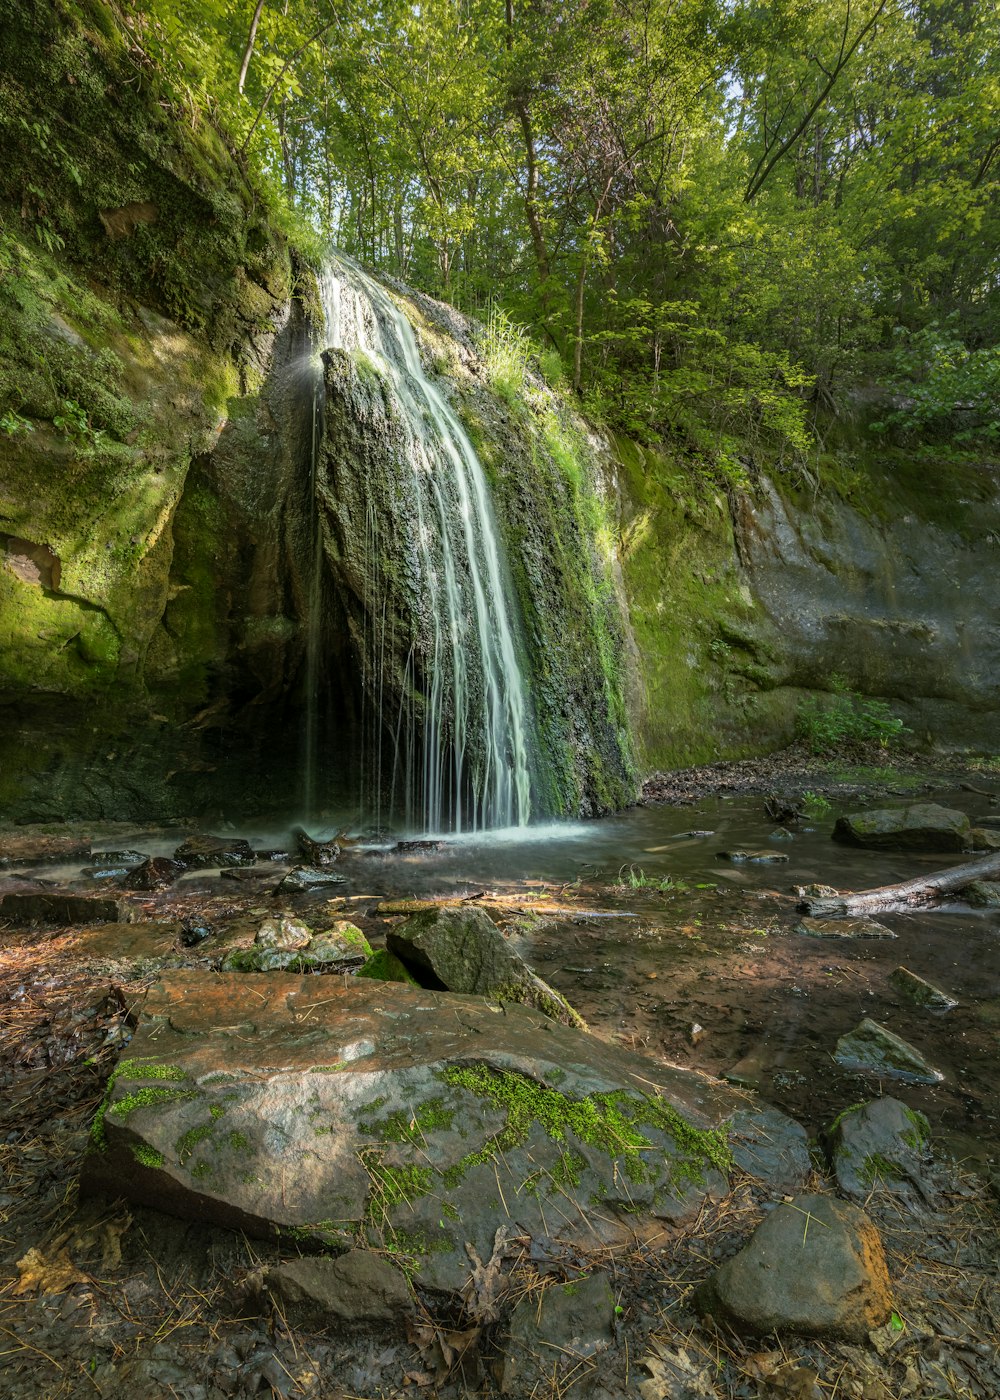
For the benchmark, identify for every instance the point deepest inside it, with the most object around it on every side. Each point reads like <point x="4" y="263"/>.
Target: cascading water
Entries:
<point x="459" y="743"/>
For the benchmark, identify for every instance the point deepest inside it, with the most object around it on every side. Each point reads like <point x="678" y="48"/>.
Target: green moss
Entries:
<point x="612" y="1123"/>
<point x="149" y="1098"/>
<point x="400" y="1126"/>
<point x="384" y="966"/>
<point x="878" y="1168"/>
<point x="188" y="1141"/>
<point x="149" y="1069"/>
<point x="147" y="1156"/>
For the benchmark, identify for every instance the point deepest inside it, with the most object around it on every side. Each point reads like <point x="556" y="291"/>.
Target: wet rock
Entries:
<point x="770" y="1146"/>
<point x="815" y="891"/>
<point x="882" y="1143"/>
<point x="303" y="879"/>
<point x="32" y="908"/>
<point x="424" y="847"/>
<point x="408" y="1118"/>
<point x="921" y="992"/>
<point x="754" y="857"/>
<point x="384" y="966"/>
<point x="195" y="931"/>
<point x="690" y="834"/>
<point x="980" y="839"/>
<point x="356" y="1287"/>
<point x="214" y="852"/>
<point x="247" y="874"/>
<point x="551" y="1337"/>
<point x="286" y="944"/>
<point x="985" y="894"/>
<point x="103" y="858"/>
<point x="922" y="827"/>
<point x="870" y="1046"/>
<point x="156" y="873"/>
<point x="815" y="1267"/>
<point x="462" y="950"/>
<point x="318" y="853"/>
<point x="843" y="928"/>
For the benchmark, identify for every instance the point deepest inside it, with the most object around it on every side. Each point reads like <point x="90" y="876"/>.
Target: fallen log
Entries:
<point x="923" y="891"/>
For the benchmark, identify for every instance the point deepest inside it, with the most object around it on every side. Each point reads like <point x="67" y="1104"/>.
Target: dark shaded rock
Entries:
<point x="274" y="855"/>
<point x="922" y="827"/>
<point x="156" y="873"/>
<point x="195" y="931"/>
<point x="754" y="857"/>
<point x="985" y="894"/>
<point x="782" y="809"/>
<point x="461" y="949"/>
<point x="303" y="879"/>
<point x="870" y="1046"/>
<point x="247" y="874"/>
<point x="318" y="853"/>
<point x="214" y="852"/>
<point x="550" y="1335"/>
<point x="63" y="909"/>
<point x="409" y="847"/>
<point x="769" y="1145"/>
<point x="921" y="992"/>
<point x="108" y="874"/>
<point x="815" y="1267"/>
<point x="882" y="1143"/>
<point x="384" y="966"/>
<point x="355" y="1288"/>
<point x="843" y="928"/>
<point x="408" y="1118"/>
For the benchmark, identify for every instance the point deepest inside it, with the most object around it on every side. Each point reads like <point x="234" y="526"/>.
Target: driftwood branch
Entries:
<point x="924" y="890"/>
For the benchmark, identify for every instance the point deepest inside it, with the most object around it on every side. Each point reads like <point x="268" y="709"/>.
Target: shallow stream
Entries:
<point x="667" y="948"/>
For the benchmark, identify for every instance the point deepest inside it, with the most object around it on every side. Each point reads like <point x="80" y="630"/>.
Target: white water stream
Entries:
<point x="463" y="763"/>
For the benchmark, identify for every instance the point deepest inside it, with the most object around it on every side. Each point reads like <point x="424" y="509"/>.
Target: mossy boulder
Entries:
<point x="414" y="1120"/>
<point x="924" y="826"/>
<point x="461" y="949"/>
<point x="881" y="1144"/>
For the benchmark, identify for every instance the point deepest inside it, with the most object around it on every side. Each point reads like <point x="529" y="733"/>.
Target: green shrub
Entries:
<point x="847" y="721"/>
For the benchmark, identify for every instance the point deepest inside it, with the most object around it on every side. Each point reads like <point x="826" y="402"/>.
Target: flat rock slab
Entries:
<point x="412" y="1121"/>
<point x="30" y="847"/>
<point x="754" y="857"/>
<point x="843" y="928"/>
<point x="815" y="1267"/>
<point x="923" y="827"/>
<point x="872" y="1047"/>
<point x="64" y="909"/>
<point x="981" y="839"/>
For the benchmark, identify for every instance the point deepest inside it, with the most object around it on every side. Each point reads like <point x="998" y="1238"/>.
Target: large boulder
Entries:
<point x="463" y="950"/>
<point x="815" y="1267"/>
<point x="371" y="1113"/>
<point x="923" y="827"/>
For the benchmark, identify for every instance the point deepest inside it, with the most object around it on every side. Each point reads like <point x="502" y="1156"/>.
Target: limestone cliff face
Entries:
<point x="745" y="605"/>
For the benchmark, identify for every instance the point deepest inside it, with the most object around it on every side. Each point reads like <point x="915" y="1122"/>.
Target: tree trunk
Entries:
<point x="925" y="890"/>
<point x="251" y="37"/>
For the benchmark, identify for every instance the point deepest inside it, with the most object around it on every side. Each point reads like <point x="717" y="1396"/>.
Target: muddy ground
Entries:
<point x="100" y="1299"/>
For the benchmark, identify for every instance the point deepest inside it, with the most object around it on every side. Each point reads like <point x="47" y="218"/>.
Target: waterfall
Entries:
<point x="458" y="754"/>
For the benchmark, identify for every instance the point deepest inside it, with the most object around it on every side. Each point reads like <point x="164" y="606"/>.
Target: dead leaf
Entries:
<point x="675" y="1376"/>
<point x="54" y="1273"/>
<point x="482" y="1290"/>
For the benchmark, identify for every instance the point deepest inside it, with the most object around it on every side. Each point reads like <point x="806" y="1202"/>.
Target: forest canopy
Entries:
<point x="729" y="221"/>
